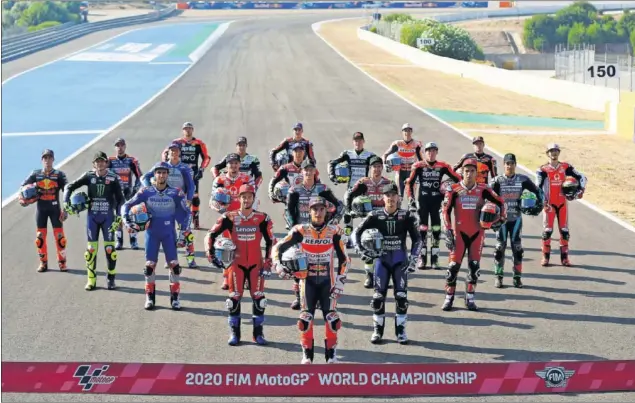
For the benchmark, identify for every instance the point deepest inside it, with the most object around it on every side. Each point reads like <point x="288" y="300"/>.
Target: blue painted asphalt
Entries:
<point x="21" y="155"/>
<point x="86" y="95"/>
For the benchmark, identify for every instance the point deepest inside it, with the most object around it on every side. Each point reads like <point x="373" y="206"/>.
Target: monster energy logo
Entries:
<point x="391" y="227"/>
<point x="101" y="188"/>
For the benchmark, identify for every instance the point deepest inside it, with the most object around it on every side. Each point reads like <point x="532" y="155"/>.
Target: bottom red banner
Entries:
<point x="319" y="380"/>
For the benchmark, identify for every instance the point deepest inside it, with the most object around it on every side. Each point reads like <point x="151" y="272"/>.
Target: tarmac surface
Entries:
<point x="260" y="78"/>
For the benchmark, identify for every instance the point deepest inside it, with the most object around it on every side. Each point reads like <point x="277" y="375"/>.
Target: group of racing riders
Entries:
<point x="458" y="201"/>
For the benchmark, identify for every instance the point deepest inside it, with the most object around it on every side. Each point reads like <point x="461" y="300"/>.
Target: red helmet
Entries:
<point x="489" y="215"/>
<point x="246" y="189"/>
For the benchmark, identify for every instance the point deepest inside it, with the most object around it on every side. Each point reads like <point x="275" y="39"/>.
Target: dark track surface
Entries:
<point x="260" y="78"/>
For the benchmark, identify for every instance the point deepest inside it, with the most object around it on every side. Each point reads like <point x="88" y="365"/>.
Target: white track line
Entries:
<point x="539" y="132"/>
<point x="224" y="27"/>
<point x="316" y="27"/>
<point x="53" y="133"/>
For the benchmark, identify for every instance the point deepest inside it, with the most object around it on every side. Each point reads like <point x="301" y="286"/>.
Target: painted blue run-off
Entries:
<point x="85" y="95"/>
<point x="21" y="155"/>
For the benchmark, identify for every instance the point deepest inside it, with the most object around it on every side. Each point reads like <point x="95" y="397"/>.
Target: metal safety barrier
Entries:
<point x="26" y="44"/>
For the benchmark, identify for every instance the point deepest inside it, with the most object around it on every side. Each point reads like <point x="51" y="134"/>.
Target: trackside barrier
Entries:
<point x="41" y="32"/>
<point x="320" y="380"/>
<point x="570" y="93"/>
<point x="18" y="48"/>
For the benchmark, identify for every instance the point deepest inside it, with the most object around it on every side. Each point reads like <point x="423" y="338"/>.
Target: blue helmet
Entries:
<point x="80" y="201"/>
<point x="161" y="165"/>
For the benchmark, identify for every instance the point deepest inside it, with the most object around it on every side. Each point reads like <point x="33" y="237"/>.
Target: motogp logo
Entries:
<point x="96" y="377"/>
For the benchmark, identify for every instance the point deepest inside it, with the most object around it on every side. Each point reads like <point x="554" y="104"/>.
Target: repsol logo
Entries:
<point x="243" y="230"/>
<point x="317" y="241"/>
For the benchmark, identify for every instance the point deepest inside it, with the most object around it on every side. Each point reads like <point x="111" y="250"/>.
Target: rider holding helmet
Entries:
<point x="225" y="195"/>
<point x="43" y="187"/>
<point x="466" y="232"/>
<point x="554" y="178"/>
<point x="192" y="149"/>
<point x="350" y="167"/>
<point x="165" y="206"/>
<point x="298" y="131"/>
<point x="322" y="282"/>
<point x="243" y="260"/>
<point x="181" y="177"/>
<point x="298" y="209"/>
<point x="511" y="187"/>
<point x="249" y="163"/>
<point x="290" y="173"/>
<point x="371" y="188"/>
<point x="381" y="236"/>
<point x="103" y="201"/>
<point x="401" y="155"/>
<point x="429" y="173"/>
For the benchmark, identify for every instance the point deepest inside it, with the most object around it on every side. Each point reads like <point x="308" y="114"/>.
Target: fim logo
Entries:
<point x="555" y="377"/>
<point x="96" y="377"/>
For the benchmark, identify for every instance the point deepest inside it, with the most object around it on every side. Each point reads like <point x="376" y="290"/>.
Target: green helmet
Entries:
<point x="529" y="204"/>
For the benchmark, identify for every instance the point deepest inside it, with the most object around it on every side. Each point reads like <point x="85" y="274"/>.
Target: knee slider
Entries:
<point x="233" y="303"/>
<point x="175" y="267"/>
<point x="111" y="253"/>
<point x="90" y="253"/>
<point x="305" y="321"/>
<point x="148" y="270"/>
<point x="40" y="239"/>
<point x="259" y="305"/>
<point x="377" y="303"/>
<point x="547" y="234"/>
<point x="452" y="272"/>
<point x="401" y="301"/>
<point x="196" y="201"/>
<point x="474" y="273"/>
<point x="61" y="240"/>
<point x="498" y="252"/>
<point x="564" y="232"/>
<point x="333" y="321"/>
<point x="423" y="228"/>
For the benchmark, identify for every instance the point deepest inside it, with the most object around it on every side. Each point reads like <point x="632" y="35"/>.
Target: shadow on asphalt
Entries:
<point x="574" y="317"/>
<point x="507" y="354"/>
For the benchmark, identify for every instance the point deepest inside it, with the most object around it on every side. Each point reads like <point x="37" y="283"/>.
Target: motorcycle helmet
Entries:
<point x="372" y="242"/>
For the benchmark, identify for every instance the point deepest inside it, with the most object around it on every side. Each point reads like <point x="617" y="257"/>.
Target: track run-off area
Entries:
<point x="260" y="77"/>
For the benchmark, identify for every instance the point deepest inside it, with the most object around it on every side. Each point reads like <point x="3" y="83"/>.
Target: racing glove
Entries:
<point x="215" y="261"/>
<point x="69" y="208"/>
<point x="127" y="193"/>
<point x="63" y="215"/>
<point x="265" y="272"/>
<point x="115" y="224"/>
<point x="338" y="287"/>
<point x="132" y="227"/>
<point x="199" y="175"/>
<point x="449" y="239"/>
<point x="333" y="179"/>
<point x="411" y="264"/>
<point x="579" y="194"/>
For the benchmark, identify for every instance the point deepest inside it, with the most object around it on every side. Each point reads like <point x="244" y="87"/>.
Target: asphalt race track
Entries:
<point x="259" y="79"/>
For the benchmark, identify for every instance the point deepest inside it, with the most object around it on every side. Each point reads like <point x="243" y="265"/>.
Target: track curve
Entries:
<point x="261" y="77"/>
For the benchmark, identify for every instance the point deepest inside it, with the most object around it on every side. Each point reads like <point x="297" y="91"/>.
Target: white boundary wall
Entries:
<point x="578" y="95"/>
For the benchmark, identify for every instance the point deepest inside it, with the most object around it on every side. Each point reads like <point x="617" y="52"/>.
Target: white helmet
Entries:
<point x="372" y="242"/>
<point x="295" y="260"/>
<point x="225" y="250"/>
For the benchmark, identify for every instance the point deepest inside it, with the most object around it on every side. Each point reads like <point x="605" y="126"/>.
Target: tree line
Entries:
<point x="579" y="23"/>
<point x="35" y="15"/>
<point x="449" y="40"/>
